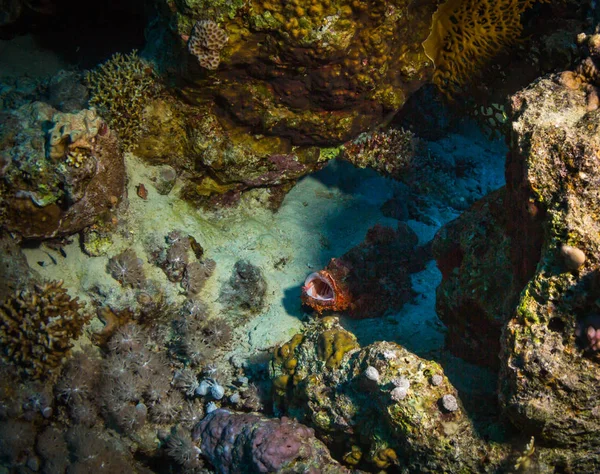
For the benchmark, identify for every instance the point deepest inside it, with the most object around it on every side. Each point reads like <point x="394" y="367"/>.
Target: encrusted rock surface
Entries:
<point x="476" y="295"/>
<point x="315" y="74"/>
<point x="249" y="442"/>
<point x="548" y="380"/>
<point x="538" y="243"/>
<point x="59" y="171"/>
<point x="218" y="161"/>
<point x="350" y="395"/>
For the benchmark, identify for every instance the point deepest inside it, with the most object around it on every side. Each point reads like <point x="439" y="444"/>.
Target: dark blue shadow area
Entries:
<point x="359" y="195"/>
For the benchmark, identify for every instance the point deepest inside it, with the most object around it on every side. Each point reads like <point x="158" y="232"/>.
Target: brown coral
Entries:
<point x="38" y="326"/>
<point x="206" y="42"/>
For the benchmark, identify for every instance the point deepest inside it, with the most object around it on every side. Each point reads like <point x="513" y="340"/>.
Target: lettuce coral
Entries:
<point x="465" y="34"/>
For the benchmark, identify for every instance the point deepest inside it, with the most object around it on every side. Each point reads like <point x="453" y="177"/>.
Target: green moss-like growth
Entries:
<point x="120" y="89"/>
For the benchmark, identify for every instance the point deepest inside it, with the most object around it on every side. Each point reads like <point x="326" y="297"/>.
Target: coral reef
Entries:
<point x="183" y="450"/>
<point x="552" y="185"/>
<point x="38" y="327"/>
<point x="175" y="262"/>
<point x="372" y="278"/>
<point x="15" y="273"/>
<point x="313" y="74"/>
<point x="238" y="442"/>
<point x="473" y="301"/>
<point x="355" y="403"/>
<point x="61" y="172"/>
<point x="120" y="88"/>
<point x="538" y="240"/>
<point x="206" y="41"/>
<point x="127" y="269"/>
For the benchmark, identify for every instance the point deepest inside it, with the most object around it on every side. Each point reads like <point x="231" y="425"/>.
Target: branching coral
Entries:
<point x="120" y="89"/>
<point x="38" y="327"/>
<point x="465" y="34"/>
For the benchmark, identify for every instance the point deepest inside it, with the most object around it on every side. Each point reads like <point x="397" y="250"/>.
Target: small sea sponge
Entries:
<point x="37" y="328"/>
<point x="572" y="257"/>
<point x="206" y="42"/>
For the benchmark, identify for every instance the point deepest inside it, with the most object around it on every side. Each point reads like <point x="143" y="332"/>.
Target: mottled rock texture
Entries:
<point x="216" y="160"/>
<point x="313" y="73"/>
<point x="476" y="295"/>
<point x="249" y="442"/>
<point x="60" y="172"/>
<point x="350" y="395"/>
<point x="553" y="188"/>
<point x="521" y="269"/>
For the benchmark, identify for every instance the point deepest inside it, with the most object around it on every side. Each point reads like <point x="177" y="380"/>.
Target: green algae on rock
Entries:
<point x="218" y="160"/>
<point x="547" y="316"/>
<point x="546" y="383"/>
<point x="316" y="74"/>
<point x="381" y="400"/>
<point x="477" y="292"/>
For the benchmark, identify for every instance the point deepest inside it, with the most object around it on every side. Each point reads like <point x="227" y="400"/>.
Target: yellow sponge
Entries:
<point x="465" y="34"/>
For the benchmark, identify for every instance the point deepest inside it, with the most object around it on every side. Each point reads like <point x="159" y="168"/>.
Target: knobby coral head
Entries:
<point x="325" y="291"/>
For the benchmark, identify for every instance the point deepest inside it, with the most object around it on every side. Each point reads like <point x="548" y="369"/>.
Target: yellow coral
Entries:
<point x="333" y="344"/>
<point x="465" y="34"/>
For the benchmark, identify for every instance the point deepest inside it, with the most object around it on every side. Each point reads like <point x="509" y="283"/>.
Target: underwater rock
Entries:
<point x="476" y="295"/>
<point x="313" y="74"/>
<point x="389" y="152"/>
<point x="217" y="162"/>
<point x="325" y="379"/>
<point x="66" y="92"/>
<point x="249" y="442"/>
<point x="15" y="272"/>
<point x="372" y="278"/>
<point x="60" y="172"/>
<point x="505" y="274"/>
<point x="165" y="179"/>
<point x="553" y="199"/>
